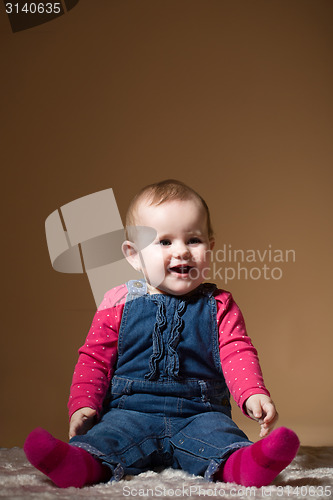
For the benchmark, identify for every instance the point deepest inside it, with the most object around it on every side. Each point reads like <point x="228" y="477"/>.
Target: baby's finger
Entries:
<point x="265" y="429"/>
<point x="270" y="412"/>
<point x="72" y="432"/>
<point x="256" y="410"/>
<point x="264" y="432"/>
<point x="75" y="428"/>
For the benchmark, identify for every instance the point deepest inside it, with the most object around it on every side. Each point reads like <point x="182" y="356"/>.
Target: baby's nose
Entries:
<point x="181" y="250"/>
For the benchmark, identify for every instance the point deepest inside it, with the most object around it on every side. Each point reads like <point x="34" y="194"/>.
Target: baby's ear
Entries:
<point x="131" y="254"/>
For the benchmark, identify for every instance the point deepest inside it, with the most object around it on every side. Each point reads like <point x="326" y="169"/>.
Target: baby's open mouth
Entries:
<point x="180" y="269"/>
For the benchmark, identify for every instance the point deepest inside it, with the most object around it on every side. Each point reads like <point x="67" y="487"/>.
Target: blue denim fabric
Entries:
<point x="169" y="403"/>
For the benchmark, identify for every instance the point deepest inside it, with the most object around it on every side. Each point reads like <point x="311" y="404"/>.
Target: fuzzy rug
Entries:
<point x="309" y="476"/>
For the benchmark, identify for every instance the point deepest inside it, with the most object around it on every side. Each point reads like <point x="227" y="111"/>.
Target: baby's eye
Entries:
<point x="194" y="240"/>
<point x="165" y="242"/>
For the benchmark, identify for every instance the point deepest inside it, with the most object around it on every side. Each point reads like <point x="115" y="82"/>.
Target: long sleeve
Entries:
<point x="239" y="358"/>
<point x="98" y="355"/>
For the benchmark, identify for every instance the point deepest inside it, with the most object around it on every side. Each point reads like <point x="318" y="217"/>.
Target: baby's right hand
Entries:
<point x="81" y="421"/>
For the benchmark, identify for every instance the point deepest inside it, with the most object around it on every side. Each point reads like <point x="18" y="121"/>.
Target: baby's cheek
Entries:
<point x="155" y="266"/>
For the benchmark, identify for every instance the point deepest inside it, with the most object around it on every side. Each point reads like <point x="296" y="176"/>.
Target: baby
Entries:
<point x="153" y="381"/>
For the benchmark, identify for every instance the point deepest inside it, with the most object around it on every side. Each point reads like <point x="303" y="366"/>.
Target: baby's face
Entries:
<point x="177" y="260"/>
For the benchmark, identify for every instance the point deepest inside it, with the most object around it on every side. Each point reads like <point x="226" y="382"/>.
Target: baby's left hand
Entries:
<point x="262" y="409"/>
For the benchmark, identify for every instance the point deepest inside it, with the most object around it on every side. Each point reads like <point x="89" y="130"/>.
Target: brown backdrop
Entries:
<point x="232" y="97"/>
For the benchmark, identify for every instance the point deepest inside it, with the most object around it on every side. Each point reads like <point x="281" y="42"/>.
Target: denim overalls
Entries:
<point x="169" y="403"/>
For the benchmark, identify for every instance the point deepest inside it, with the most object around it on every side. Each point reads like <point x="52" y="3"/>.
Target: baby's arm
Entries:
<point x="241" y="366"/>
<point x="94" y="369"/>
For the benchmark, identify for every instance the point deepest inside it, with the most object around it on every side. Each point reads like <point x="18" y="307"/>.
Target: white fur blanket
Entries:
<point x="309" y="476"/>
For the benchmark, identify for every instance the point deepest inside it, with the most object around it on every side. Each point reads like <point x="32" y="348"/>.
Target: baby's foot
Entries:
<point x="66" y="465"/>
<point x="258" y="464"/>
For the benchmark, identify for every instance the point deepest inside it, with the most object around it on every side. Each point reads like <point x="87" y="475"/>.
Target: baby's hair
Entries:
<point x="161" y="192"/>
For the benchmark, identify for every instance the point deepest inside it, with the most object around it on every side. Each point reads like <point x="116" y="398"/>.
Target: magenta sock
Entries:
<point x="258" y="464"/>
<point x="65" y="464"/>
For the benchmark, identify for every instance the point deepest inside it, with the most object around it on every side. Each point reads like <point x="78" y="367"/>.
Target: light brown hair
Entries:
<point x="161" y="192"/>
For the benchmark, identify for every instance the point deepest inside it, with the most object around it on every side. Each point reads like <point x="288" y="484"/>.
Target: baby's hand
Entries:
<point x="81" y="421"/>
<point x="262" y="409"/>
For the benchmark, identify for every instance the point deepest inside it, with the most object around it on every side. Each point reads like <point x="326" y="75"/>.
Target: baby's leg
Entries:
<point x="258" y="464"/>
<point x="66" y="465"/>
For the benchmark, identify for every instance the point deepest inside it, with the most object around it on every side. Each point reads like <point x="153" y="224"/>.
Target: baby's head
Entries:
<point x="178" y="217"/>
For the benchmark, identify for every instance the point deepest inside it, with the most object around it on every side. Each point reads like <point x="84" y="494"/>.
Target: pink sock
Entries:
<point x="258" y="464"/>
<point x="66" y="465"/>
